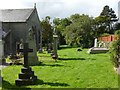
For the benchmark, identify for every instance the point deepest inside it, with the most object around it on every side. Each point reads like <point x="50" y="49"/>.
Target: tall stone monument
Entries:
<point x="55" y="42"/>
<point x="32" y="57"/>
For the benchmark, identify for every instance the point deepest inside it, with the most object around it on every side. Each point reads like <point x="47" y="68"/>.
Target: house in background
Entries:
<point x="16" y="23"/>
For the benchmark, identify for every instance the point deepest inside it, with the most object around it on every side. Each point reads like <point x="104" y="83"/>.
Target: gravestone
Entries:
<point x="2" y="59"/>
<point x="1" y="51"/>
<point x="96" y="49"/>
<point x="95" y="42"/>
<point x="40" y="50"/>
<point x="26" y="77"/>
<point x="49" y="48"/>
<point x="32" y="57"/>
<point x="55" y="55"/>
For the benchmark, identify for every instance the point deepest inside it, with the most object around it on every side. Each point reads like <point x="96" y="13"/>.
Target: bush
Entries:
<point x="105" y="34"/>
<point x="114" y="49"/>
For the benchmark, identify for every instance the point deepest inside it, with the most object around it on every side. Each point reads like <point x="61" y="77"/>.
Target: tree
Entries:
<point x="106" y="20"/>
<point x="47" y="30"/>
<point x="115" y="50"/>
<point x="80" y="31"/>
<point x="60" y="25"/>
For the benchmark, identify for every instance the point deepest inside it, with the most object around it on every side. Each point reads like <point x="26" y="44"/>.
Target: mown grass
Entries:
<point x="73" y="70"/>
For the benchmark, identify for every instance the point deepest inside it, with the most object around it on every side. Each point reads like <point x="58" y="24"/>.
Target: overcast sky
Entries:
<point x="62" y="8"/>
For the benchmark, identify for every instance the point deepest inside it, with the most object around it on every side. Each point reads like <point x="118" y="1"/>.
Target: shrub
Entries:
<point x="105" y="34"/>
<point x="114" y="49"/>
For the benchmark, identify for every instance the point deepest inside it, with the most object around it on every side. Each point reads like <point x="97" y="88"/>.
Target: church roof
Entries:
<point x="15" y="15"/>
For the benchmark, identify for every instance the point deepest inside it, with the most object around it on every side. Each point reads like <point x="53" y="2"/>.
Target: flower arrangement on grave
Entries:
<point x="115" y="50"/>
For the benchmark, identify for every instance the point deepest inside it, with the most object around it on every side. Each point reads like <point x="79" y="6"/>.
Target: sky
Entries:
<point x="62" y="8"/>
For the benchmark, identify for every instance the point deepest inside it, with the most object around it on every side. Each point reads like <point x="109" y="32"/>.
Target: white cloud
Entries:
<point x="62" y="8"/>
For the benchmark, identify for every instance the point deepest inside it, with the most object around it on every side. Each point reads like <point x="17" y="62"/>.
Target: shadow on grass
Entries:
<point x="6" y="85"/>
<point x="66" y="47"/>
<point x="71" y="59"/>
<point x="51" y="65"/>
<point x="40" y="82"/>
<point x="43" y="56"/>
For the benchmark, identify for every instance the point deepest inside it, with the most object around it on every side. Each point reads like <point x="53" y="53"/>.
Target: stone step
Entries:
<point x="20" y="82"/>
<point x="26" y="70"/>
<point x="26" y="75"/>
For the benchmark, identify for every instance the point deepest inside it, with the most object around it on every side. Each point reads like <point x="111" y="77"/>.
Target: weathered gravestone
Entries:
<point x="49" y="48"/>
<point x="95" y="42"/>
<point x="2" y="58"/>
<point x="55" y="55"/>
<point x="26" y="77"/>
<point x="1" y="51"/>
<point x="32" y="57"/>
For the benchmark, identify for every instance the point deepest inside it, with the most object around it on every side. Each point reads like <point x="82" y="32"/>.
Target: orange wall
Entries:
<point x="107" y="38"/>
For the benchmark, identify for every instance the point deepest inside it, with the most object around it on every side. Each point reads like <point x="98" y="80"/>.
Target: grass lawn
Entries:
<point x="73" y="70"/>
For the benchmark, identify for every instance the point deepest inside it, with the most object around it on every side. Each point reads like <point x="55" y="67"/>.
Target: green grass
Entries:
<point x="73" y="70"/>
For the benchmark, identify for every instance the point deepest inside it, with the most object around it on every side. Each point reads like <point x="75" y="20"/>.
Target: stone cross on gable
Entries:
<point x="25" y="51"/>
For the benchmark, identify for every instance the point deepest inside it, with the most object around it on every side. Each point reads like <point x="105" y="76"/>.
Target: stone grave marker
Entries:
<point x="32" y="57"/>
<point x="2" y="59"/>
<point x="55" y="55"/>
<point x="1" y="51"/>
<point x="26" y="77"/>
<point x="49" y="48"/>
<point x="97" y="49"/>
<point x="95" y="42"/>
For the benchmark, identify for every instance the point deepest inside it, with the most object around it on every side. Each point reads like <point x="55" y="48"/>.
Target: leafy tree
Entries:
<point x="80" y="31"/>
<point x="60" y="25"/>
<point x="115" y="50"/>
<point x="47" y="31"/>
<point x="106" y="20"/>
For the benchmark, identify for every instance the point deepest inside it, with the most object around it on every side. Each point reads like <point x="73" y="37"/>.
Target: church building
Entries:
<point x="16" y="23"/>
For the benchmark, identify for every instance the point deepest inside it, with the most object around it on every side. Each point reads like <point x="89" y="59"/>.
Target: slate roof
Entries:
<point x="15" y="15"/>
